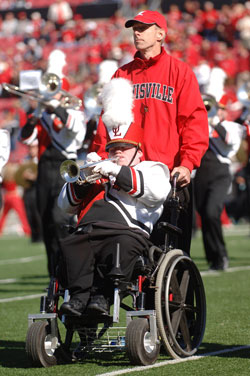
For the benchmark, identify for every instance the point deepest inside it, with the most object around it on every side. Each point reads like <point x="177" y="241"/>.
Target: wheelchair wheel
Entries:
<point x="139" y="348"/>
<point x="41" y="346"/>
<point x="180" y="305"/>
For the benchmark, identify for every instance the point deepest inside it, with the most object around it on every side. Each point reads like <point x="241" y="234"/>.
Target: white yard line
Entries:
<point x="25" y="297"/>
<point x="173" y="361"/>
<point x="22" y="260"/>
<point x="7" y="281"/>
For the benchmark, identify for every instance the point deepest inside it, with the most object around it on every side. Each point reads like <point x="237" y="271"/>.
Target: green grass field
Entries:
<point x="23" y="273"/>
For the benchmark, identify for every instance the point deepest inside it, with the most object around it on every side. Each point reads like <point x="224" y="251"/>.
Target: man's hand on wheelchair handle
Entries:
<point x="184" y="175"/>
<point x="107" y="168"/>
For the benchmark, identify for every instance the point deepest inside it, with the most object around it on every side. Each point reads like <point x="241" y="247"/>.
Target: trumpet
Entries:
<point x="71" y="172"/>
<point x="210" y="104"/>
<point x="49" y="86"/>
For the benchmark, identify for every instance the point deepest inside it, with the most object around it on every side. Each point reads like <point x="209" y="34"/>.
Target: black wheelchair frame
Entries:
<point x="168" y="308"/>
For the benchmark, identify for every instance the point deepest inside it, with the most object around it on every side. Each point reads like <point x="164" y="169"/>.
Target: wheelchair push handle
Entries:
<point x="174" y="184"/>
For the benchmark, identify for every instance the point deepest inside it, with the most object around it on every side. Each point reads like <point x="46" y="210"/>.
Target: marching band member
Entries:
<point x="120" y="209"/>
<point x="60" y="132"/>
<point x="213" y="180"/>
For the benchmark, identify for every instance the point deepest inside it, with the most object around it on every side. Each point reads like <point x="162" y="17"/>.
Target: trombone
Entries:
<point x="49" y="86"/>
<point x="71" y="172"/>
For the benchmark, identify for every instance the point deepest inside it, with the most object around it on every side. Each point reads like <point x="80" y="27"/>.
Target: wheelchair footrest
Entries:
<point x="41" y="316"/>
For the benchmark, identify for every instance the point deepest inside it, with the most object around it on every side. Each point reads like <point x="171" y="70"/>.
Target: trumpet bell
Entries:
<point x="70" y="171"/>
<point x="210" y="105"/>
<point x="50" y="85"/>
<point x="243" y="94"/>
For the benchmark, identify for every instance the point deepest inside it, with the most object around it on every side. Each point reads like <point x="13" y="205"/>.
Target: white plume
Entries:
<point x="106" y="70"/>
<point x="216" y="83"/>
<point x="56" y="62"/>
<point x="117" y="101"/>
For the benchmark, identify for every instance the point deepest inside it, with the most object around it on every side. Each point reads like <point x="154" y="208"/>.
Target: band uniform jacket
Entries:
<point x="135" y="198"/>
<point x="50" y="131"/>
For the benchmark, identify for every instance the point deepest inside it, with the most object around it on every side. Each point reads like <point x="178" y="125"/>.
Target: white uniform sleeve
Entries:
<point x="4" y="149"/>
<point x="156" y="181"/>
<point x="64" y="202"/>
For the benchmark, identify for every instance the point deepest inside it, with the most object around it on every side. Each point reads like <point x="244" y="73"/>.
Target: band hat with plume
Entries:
<point x="117" y="101"/>
<point x="56" y="65"/>
<point x="106" y="70"/>
<point x="56" y="62"/>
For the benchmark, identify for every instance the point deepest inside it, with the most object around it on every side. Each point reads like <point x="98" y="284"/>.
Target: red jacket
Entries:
<point x="169" y="108"/>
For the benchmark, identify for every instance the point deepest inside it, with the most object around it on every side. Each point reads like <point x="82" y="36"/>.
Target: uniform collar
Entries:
<point x="151" y="60"/>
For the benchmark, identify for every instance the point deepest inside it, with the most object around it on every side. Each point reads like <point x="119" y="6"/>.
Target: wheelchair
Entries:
<point x="168" y="309"/>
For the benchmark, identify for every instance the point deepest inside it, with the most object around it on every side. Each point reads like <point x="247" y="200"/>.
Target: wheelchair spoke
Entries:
<point x="175" y="321"/>
<point x="184" y="285"/>
<point x="181" y="305"/>
<point x="175" y="288"/>
<point x="185" y="331"/>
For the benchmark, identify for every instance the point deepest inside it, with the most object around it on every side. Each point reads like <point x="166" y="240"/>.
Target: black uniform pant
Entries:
<point x="211" y="185"/>
<point x="248" y="186"/>
<point x="33" y="216"/>
<point x="88" y="258"/>
<point x="49" y="185"/>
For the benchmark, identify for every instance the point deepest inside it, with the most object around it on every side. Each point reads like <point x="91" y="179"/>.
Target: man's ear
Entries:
<point x="140" y="153"/>
<point x="160" y="35"/>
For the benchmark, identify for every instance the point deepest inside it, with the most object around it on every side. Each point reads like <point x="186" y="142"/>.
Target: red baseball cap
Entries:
<point x="149" y="17"/>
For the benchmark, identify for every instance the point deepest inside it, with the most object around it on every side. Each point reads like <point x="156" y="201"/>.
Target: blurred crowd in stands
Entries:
<point x="199" y="34"/>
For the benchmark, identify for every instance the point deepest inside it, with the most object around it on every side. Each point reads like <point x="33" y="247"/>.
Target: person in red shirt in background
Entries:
<point x="12" y="199"/>
<point x="4" y="156"/>
<point x="168" y="106"/>
<point x="210" y="18"/>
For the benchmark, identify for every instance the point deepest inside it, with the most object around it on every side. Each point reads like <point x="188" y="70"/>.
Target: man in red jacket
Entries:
<point x="168" y="106"/>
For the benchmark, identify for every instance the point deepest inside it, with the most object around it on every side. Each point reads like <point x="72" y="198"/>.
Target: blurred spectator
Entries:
<point x="24" y="23"/>
<point x="243" y="27"/>
<point x="9" y="24"/>
<point x="210" y="18"/>
<point x="60" y="12"/>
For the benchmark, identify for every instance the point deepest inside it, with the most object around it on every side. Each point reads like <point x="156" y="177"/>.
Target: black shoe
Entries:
<point x="223" y="265"/>
<point x="80" y="352"/>
<point x="73" y="307"/>
<point x="98" y="304"/>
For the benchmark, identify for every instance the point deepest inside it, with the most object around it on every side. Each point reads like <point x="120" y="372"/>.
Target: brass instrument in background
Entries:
<point x="210" y="104"/>
<point x="72" y="172"/>
<point x="26" y="174"/>
<point x="50" y="85"/>
<point x="243" y="94"/>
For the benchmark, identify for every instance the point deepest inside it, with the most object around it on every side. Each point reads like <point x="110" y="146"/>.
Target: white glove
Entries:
<point x="214" y="121"/>
<point x="107" y="168"/>
<point x="53" y="103"/>
<point x="93" y="157"/>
